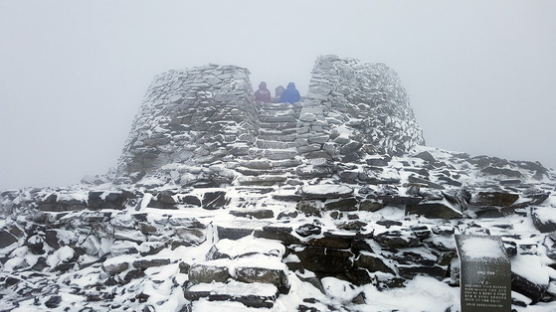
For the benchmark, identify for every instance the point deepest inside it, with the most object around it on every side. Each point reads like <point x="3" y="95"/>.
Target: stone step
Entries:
<point x="274" y="131"/>
<point x="278" y="112"/>
<point x="278" y="137"/>
<point x="282" y="106"/>
<point x="278" y="125"/>
<point x="276" y="154"/>
<point x="255" y="295"/>
<point x="206" y="305"/>
<point x="267" y="144"/>
<point x="259" y="172"/>
<point x="269" y="164"/>
<point x="246" y="246"/>
<point x="263" y="180"/>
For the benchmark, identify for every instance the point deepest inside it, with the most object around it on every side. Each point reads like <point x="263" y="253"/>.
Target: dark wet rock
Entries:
<point x="397" y="200"/>
<point x="256" y="213"/>
<point x="164" y="200"/>
<point x="501" y="171"/>
<point x="498" y="199"/>
<point x="544" y="219"/>
<point x="332" y="241"/>
<point x="214" y="200"/>
<point x="54" y="204"/>
<point x="372" y="263"/>
<point x="6" y="239"/>
<point x="370" y="205"/>
<point x="410" y="271"/>
<point x="421" y="231"/>
<point x="528" y="288"/>
<point x="424" y="182"/>
<point x="204" y="273"/>
<point x="149" y="263"/>
<point x="191" y="200"/>
<point x="356" y="226"/>
<point x="346" y="204"/>
<point x="281" y="233"/>
<point x="396" y="239"/>
<point x="35" y="244"/>
<point x="184" y="267"/>
<point x="115" y="268"/>
<point x="287" y="215"/>
<point x="51" y="238"/>
<point x="308" y="230"/>
<point x="359" y="299"/>
<point x="53" y="302"/>
<point x="448" y="181"/>
<point x="388" y="223"/>
<point x="360" y="244"/>
<point x="380" y="162"/>
<point x="108" y="200"/>
<point x="494" y="212"/>
<point x="532" y="200"/>
<point x="325" y="260"/>
<point x="309" y="208"/>
<point x="434" y="210"/>
<point x="426" y="156"/>
<point x="248" y="299"/>
<point x="232" y="233"/>
<point x="133" y="274"/>
<point x="277" y="278"/>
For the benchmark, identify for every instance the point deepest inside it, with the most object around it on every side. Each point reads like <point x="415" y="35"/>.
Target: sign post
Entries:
<point x="485" y="275"/>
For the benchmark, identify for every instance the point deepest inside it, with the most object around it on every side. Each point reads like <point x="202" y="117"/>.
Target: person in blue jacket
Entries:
<point x="290" y="95"/>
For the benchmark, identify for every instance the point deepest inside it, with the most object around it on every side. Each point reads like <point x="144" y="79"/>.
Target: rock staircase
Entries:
<point x="270" y="162"/>
<point x="247" y="270"/>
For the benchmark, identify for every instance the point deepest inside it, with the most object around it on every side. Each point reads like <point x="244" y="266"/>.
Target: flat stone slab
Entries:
<point x="249" y="245"/>
<point x="256" y="295"/>
<point x="325" y="191"/>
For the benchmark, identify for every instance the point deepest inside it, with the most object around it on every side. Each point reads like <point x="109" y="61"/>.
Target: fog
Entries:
<point x="480" y="74"/>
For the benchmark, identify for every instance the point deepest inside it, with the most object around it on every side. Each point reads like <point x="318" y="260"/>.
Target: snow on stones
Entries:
<point x="325" y="191"/>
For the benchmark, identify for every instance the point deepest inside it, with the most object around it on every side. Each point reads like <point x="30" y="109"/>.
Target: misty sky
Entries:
<point x="481" y="75"/>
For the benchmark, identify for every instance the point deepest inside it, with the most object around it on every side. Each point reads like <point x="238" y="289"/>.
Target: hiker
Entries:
<point x="263" y="95"/>
<point x="290" y="95"/>
<point x="278" y="93"/>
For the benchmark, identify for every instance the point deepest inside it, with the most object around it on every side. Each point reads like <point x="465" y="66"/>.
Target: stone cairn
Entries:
<point x="220" y="203"/>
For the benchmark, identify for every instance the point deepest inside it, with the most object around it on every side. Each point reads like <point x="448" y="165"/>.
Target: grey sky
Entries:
<point x="481" y="74"/>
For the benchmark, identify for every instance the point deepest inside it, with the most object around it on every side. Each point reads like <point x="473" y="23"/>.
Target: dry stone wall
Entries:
<point x="192" y="116"/>
<point x="366" y="103"/>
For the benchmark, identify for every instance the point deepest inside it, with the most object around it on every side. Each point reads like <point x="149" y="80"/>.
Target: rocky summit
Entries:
<point x="219" y="203"/>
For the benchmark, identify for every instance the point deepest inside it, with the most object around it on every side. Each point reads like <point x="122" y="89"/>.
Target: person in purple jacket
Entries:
<point x="263" y="94"/>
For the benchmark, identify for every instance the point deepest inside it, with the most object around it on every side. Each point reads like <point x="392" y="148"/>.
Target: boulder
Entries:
<point x="426" y="156"/>
<point x="326" y="261"/>
<point x="214" y="200"/>
<point x="394" y="239"/>
<point x="206" y="273"/>
<point x="108" y="200"/>
<point x="345" y="204"/>
<point x="309" y="208"/>
<point x="253" y="213"/>
<point x="281" y="233"/>
<point x="372" y="262"/>
<point x="544" y="219"/>
<point x="498" y="199"/>
<point x="149" y="263"/>
<point x="308" y="230"/>
<point x="6" y="239"/>
<point x="434" y="210"/>
<point x="277" y="278"/>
